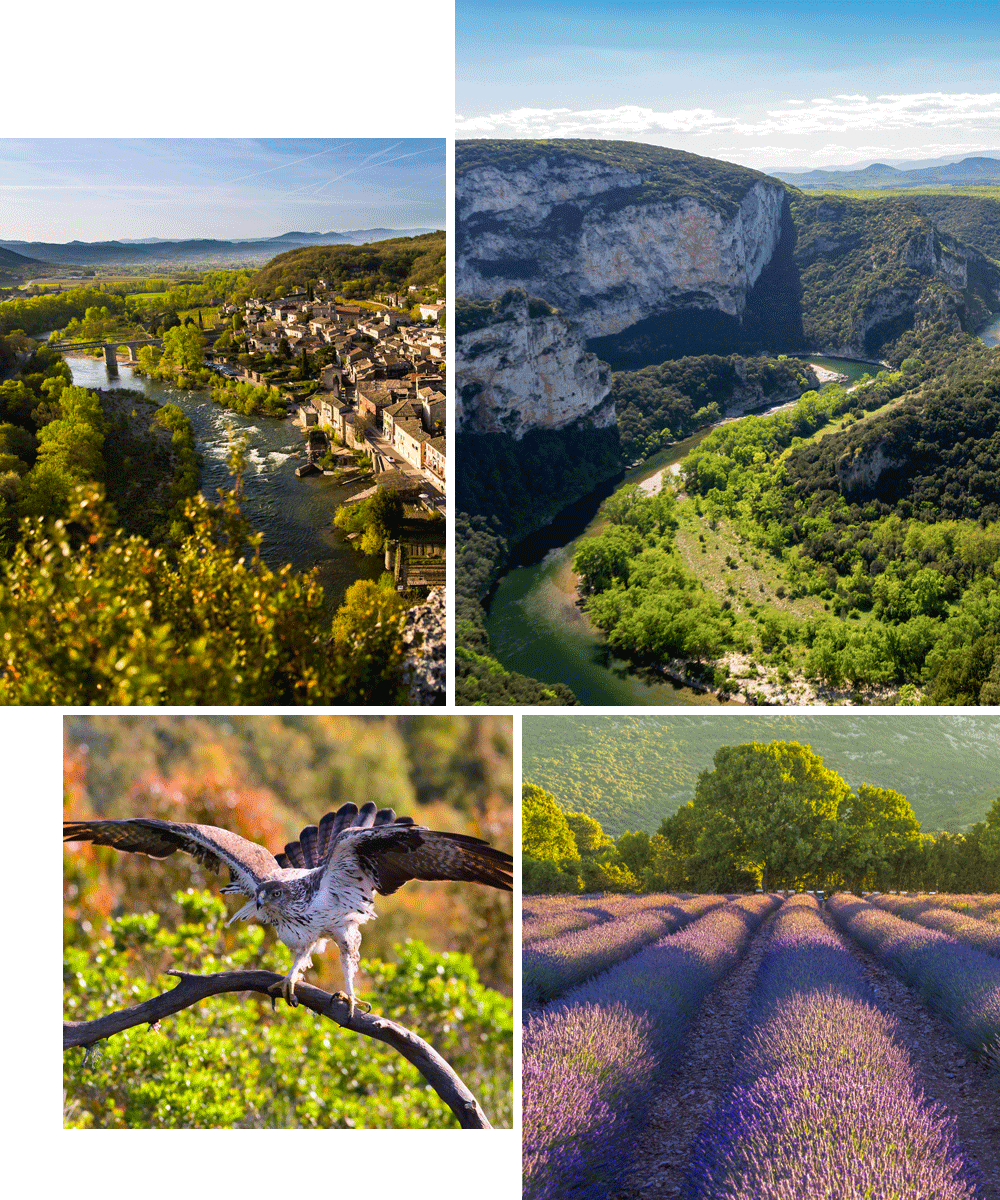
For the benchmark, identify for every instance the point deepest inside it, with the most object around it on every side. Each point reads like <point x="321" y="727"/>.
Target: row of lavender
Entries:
<point x="591" y="1061"/>
<point x="824" y="1100"/>
<point x="544" y="917"/>
<point x="983" y="934"/>
<point x="552" y="966"/>
<point x="960" y="983"/>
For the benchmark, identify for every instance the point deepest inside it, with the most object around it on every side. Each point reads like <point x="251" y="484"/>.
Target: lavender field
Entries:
<point x="863" y="1060"/>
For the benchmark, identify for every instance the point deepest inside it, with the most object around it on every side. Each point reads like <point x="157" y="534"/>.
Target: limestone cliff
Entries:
<point x="864" y="469"/>
<point x="609" y="245"/>
<point x="522" y="371"/>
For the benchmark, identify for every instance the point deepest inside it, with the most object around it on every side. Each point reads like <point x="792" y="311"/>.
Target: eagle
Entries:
<point x="321" y="886"/>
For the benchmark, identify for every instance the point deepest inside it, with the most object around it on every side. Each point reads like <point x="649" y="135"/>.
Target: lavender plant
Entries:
<point x="591" y="1060"/>
<point x="983" y="935"/>
<point x="824" y="1102"/>
<point x="960" y="983"/>
<point x="552" y="966"/>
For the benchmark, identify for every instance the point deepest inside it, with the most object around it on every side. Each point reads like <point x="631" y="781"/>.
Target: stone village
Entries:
<point x="383" y="394"/>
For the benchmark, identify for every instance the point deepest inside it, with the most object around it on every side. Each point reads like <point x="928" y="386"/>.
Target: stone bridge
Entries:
<point x="111" y="347"/>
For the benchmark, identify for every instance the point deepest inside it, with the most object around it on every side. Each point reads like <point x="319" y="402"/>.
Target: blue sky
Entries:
<point x="768" y="83"/>
<point x="60" y="190"/>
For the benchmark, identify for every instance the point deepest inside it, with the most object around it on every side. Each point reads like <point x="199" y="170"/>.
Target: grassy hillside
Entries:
<point x="392" y="264"/>
<point x="629" y="772"/>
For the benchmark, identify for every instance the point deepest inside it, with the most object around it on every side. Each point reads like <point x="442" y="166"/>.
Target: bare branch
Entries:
<point x="193" y="988"/>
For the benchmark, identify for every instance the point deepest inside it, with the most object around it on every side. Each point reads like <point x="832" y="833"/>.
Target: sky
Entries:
<point x="61" y="190"/>
<point x="770" y="84"/>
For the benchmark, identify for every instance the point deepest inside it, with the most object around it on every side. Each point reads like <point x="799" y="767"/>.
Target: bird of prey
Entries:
<point x="323" y="885"/>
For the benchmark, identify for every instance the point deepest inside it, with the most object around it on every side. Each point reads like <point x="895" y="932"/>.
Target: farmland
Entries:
<point x="762" y="1047"/>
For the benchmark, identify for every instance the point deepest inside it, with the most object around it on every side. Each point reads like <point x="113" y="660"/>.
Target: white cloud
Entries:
<point x="841" y="114"/>
<point x="625" y="121"/>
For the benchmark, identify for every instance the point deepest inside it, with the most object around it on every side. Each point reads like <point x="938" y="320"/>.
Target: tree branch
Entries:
<point x="193" y="988"/>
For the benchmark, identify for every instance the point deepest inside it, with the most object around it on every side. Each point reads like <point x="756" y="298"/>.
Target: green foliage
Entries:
<point x="377" y="519"/>
<point x="771" y="809"/>
<point x="90" y="615"/>
<point x="183" y="346"/>
<point x="545" y="877"/>
<point x="851" y="251"/>
<point x="233" y="1063"/>
<point x="661" y="404"/>
<point x="391" y="265"/>
<point x="545" y="831"/>
<point x="250" y="399"/>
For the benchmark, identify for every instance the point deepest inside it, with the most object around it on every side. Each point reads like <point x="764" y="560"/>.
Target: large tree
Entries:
<point x="881" y="838"/>
<point x="771" y="809"/>
<point x="545" y="833"/>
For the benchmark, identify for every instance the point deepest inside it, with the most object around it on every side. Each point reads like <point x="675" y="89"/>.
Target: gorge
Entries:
<point x="638" y="254"/>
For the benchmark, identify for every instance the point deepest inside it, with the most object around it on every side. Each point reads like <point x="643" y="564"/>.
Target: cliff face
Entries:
<point x="528" y="372"/>
<point x="864" y="469"/>
<point x="610" y="252"/>
<point x="872" y="270"/>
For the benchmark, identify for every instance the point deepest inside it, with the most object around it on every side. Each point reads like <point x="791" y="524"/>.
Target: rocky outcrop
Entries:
<point x="751" y="397"/>
<point x="608" y="251"/>
<point x="525" y="372"/>
<point x="865" y="468"/>
<point x="425" y="636"/>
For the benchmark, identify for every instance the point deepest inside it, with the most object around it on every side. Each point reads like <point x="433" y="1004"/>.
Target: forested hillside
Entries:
<point x="630" y="772"/>
<point x="391" y="265"/>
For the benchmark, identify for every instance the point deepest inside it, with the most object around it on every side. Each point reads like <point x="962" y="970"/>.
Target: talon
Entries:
<point x="286" y="989"/>
<point x="350" y="1002"/>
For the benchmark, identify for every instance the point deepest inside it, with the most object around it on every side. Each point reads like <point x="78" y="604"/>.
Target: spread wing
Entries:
<point x="392" y="850"/>
<point x="248" y="863"/>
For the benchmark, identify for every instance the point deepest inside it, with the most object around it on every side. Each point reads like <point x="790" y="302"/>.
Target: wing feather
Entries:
<point x="213" y="847"/>
<point x="395" y="853"/>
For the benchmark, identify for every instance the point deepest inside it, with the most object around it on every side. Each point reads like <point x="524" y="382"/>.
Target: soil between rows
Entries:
<point x="945" y="1070"/>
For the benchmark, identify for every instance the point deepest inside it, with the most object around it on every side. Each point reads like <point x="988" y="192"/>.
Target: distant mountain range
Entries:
<point x="209" y="251"/>
<point x="10" y="258"/>
<point x="969" y="171"/>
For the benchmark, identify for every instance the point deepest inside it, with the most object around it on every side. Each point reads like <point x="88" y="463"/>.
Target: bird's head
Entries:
<point x="269" y="895"/>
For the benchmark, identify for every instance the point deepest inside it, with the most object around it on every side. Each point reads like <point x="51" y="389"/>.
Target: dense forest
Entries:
<point x="763" y="815"/>
<point x="437" y="960"/>
<point x="662" y="404"/>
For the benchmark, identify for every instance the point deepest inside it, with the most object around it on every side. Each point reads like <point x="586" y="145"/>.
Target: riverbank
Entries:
<point x="752" y="682"/>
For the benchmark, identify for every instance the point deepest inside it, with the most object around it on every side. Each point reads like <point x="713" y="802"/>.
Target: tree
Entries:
<point x="770" y="807"/>
<point x="635" y="851"/>
<point x="183" y="345"/>
<point x="590" y="838"/>
<point x="545" y="832"/>
<point x="378" y="520"/>
<point x="881" y="837"/>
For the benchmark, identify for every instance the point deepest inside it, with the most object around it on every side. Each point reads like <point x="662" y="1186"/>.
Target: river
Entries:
<point x="295" y="515"/>
<point x="535" y="624"/>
